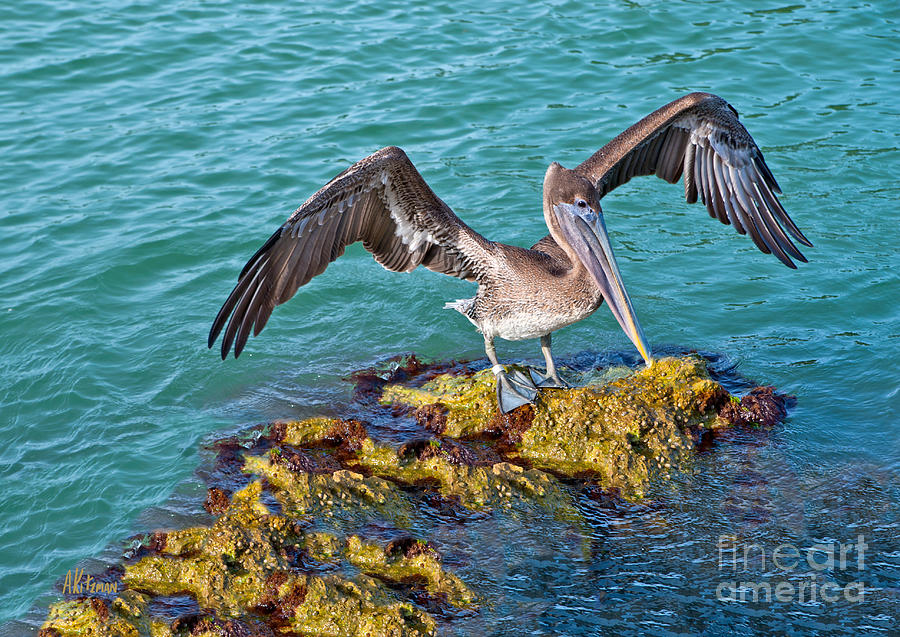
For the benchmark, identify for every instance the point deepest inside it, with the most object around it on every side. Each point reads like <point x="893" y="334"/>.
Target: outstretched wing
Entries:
<point x="699" y="136"/>
<point x="382" y="201"/>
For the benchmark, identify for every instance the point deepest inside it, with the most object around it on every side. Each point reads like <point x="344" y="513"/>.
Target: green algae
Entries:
<point x="416" y="562"/>
<point x="474" y="486"/>
<point x="341" y="493"/>
<point x="225" y="566"/>
<point x="618" y="433"/>
<point x="126" y="616"/>
<point x="469" y="401"/>
<point x="243" y="563"/>
<point x="301" y="432"/>
<point x="333" y="606"/>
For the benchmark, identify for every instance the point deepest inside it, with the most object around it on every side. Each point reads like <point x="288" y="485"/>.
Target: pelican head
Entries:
<point x="575" y="219"/>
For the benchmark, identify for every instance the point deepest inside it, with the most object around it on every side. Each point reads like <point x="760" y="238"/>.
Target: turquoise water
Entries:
<point x="150" y="147"/>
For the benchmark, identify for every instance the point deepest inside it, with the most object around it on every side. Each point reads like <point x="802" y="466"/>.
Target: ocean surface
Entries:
<point x="148" y="149"/>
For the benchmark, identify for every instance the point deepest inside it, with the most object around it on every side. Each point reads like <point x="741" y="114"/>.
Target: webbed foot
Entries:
<point x="550" y="381"/>
<point x="514" y="389"/>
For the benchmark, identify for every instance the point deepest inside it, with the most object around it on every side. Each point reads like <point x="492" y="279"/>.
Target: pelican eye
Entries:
<point x="581" y="203"/>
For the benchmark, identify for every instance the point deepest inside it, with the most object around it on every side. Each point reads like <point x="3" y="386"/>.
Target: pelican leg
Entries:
<point x="552" y="378"/>
<point x="514" y="389"/>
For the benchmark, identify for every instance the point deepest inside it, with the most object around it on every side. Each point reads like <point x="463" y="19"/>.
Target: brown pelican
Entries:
<point x="384" y="202"/>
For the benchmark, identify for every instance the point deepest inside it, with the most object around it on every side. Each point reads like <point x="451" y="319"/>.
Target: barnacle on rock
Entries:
<point x="265" y="566"/>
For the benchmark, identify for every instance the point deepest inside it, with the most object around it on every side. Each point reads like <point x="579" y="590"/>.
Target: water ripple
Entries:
<point x="150" y="147"/>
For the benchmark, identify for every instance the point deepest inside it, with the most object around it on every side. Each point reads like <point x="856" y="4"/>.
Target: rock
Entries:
<point x="268" y="566"/>
<point x="616" y="433"/>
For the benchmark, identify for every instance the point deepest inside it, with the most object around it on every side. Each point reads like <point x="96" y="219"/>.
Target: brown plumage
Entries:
<point x="384" y="202"/>
<point x="699" y="136"/>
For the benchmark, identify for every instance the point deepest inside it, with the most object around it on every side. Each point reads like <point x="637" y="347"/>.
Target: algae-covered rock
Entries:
<point x="452" y="471"/>
<point x="244" y="563"/>
<point x="334" y="606"/>
<point x="473" y="485"/>
<point x="617" y="432"/>
<point x="343" y="492"/>
<point x="225" y="566"/>
<point x="265" y="570"/>
<point x="125" y="616"/>
<point x="467" y="402"/>
<point x="344" y="433"/>
<point x="405" y="561"/>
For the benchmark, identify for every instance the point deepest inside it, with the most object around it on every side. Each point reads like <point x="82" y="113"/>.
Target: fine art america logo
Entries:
<point x="790" y="561"/>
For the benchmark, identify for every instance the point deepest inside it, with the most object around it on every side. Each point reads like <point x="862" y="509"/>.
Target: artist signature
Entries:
<point x="81" y="583"/>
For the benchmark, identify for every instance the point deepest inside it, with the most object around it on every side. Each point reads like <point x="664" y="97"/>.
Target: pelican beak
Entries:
<point x="585" y="231"/>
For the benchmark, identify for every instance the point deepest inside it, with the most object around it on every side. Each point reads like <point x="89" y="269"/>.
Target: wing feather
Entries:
<point x="665" y="167"/>
<point x="712" y="191"/>
<point x="718" y="188"/>
<point x="381" y="201"/>
<point x="690" y="183"/>
<point x="241" y="306"/>
<point x="723" y="195"/>
<point x="699" y="137"/>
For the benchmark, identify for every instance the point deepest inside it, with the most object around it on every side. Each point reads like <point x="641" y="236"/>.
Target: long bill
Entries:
<point x="585" y="231"/>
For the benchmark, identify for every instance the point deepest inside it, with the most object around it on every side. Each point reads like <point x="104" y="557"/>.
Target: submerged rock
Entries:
<point x="288" y="551"/>
<point x="407" y="561"/>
